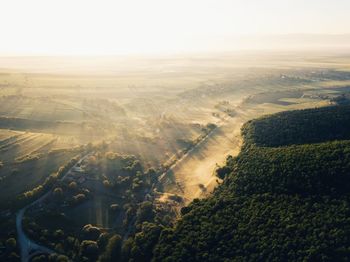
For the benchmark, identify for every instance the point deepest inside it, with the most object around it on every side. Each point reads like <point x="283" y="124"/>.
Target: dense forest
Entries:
<point x="285" y="197"/>
<point x="299" y="127"/>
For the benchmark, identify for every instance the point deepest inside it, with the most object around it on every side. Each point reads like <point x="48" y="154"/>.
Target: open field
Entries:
<point x="28" y="158"/>
<point x="157" y="109"/>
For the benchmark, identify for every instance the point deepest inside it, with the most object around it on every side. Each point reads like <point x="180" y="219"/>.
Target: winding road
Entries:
<point x="28" y="247"/>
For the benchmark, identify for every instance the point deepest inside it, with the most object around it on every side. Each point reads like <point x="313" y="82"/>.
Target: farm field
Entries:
<point x="147" y="105"/>
<point x="28" y="158"/>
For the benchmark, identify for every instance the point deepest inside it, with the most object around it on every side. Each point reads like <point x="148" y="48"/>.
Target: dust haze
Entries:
<point x="178" y="114"/>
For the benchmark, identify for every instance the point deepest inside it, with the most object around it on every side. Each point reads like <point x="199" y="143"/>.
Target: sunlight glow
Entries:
<point x="80" y="27"/>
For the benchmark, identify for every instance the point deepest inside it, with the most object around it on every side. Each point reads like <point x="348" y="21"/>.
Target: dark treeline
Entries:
<point x="299" y="127"/>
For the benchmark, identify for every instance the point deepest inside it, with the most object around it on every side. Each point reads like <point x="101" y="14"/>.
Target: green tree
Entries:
<point x="11" y="244"/>
<point x="113" y="250"/>
<point x="89" y="249"/>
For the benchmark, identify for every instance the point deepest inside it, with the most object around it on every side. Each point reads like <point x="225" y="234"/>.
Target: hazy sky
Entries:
<point x="151" y="26"/>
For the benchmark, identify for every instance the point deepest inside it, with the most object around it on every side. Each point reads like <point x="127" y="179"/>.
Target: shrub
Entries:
<point x="114" y="207"/>
<point x="89" y="249"/>
<point x="91" y="232"/>
<point x="11" y="244"/>
<point x="79" y="198"/>
<point x="72" y="185"/>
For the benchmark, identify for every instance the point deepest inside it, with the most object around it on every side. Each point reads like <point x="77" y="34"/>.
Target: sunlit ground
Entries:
<point x="154" y="108"/>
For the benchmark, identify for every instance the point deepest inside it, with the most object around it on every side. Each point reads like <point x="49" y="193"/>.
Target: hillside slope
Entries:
<point x="284" y="198"/>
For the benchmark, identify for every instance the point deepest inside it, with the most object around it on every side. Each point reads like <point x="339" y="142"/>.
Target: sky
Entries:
<point x="103" y="27"/>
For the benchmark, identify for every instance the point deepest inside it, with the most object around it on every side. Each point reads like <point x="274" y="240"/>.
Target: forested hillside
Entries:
<point x="284" y="198"/>
<point x="299" y="127"/>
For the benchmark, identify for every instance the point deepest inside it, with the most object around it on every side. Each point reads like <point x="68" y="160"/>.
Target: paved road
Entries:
<point x="28" y="247"/>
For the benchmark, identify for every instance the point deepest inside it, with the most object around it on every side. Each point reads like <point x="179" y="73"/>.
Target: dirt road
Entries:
<point x="193" y="175"/>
